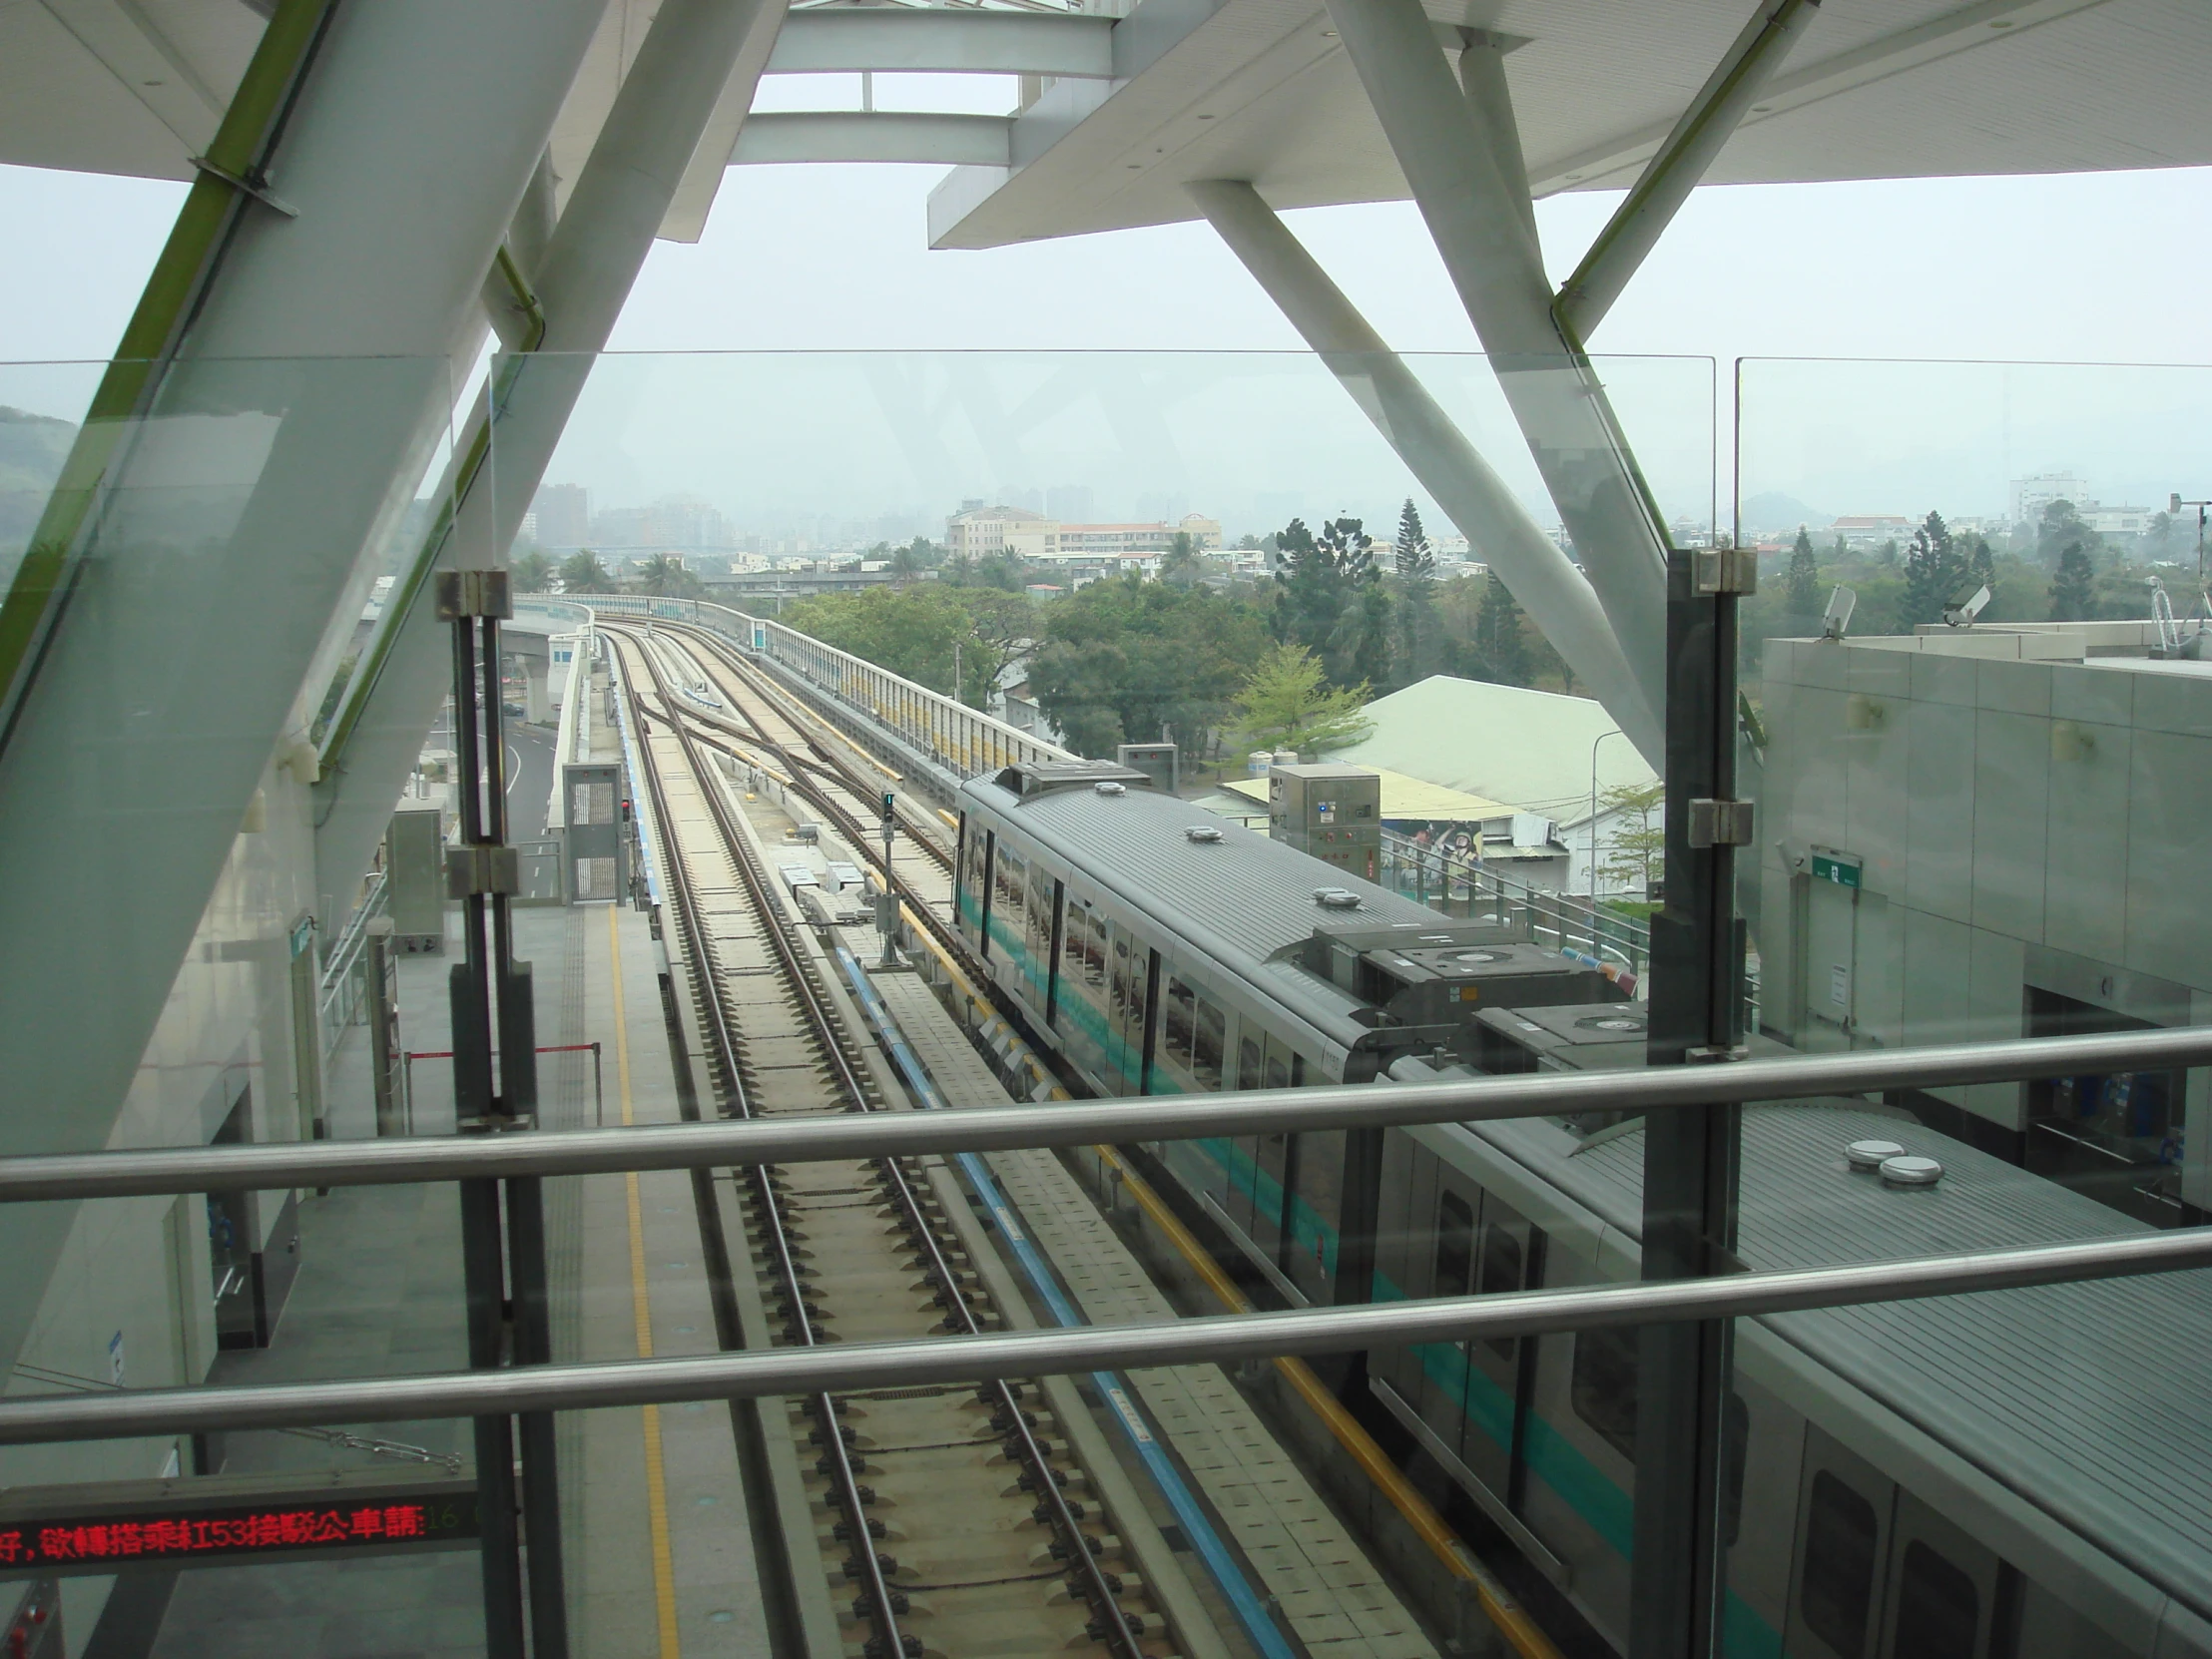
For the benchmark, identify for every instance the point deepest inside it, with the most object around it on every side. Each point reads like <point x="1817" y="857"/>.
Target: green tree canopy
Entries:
<point x="1636" y="854"/>
<point x="1801" y="589"/>
<point x="1183" y="563"/>
<point x="2061" y="527"/>
<point x="1935" y="573"/>
<point x="1287" y="703"/>
<point x="581" y="572"/>
<point x="666" y="577"/>
<point x="532" y="573"/>
<point x="1418" y="626"/>
<point x="1499" y="650"/>
<point x="1322" y="600"/>
<point x="1126" y="660"/>
<point x="924" y="631"/>
<point x="2073" y="592"/>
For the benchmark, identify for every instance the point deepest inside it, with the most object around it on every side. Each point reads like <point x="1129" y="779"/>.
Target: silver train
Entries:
<point x="2021" y="1474"/>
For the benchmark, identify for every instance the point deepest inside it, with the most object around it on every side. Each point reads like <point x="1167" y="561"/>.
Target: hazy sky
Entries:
<point x="2078" y="269"/>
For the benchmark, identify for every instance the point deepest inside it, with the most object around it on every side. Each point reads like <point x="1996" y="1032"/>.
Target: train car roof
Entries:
<point x="2090" y="1399"/>
<point x="1242" y="898"/>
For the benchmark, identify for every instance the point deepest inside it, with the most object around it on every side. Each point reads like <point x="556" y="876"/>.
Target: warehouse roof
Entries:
<point x="1527" y="749"/>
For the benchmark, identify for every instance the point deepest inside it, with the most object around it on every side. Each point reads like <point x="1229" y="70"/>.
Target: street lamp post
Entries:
<point x="1602" y="737"/>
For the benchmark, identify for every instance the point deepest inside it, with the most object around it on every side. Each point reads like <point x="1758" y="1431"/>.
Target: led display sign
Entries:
<point x="170" y="1530"/>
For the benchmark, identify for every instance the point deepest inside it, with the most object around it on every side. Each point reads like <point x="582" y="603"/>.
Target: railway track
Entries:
<point x="955" y="1516"/>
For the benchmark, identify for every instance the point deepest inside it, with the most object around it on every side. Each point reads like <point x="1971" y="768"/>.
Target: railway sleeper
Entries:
<point x="1059" y="1550"/>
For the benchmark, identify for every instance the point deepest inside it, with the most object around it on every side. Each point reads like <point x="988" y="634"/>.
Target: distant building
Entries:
<point x="1872" y="529"/>
<point x="563" y="513"/>
<point x="1016" y="531"/>
<point x="677" y="523"/>
<point x="2031" y="495"/>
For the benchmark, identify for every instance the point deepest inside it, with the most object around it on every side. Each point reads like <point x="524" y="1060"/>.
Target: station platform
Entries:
<point x="656" y="1547"/>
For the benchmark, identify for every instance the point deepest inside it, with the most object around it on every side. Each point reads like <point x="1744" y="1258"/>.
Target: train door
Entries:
<point x="1273" y="1155"/>
<point x="1401" y="1249"/>
<point x="1473" y="1391"/>
<point x="1881" y="1575"/>
<point x="1313" y="1214"/>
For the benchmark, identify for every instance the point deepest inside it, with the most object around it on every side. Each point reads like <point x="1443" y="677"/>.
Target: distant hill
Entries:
<point x="32" y="449"/>
<point x="1771" y="510"/>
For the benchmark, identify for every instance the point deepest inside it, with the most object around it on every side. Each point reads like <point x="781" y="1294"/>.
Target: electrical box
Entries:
<point x="1331" y="812"/>
<point x="1157" y="760"/>
<point x="414" y="880"/>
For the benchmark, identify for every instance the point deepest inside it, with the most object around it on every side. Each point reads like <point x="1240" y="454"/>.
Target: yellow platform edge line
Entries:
<point x="641" y="1302"/>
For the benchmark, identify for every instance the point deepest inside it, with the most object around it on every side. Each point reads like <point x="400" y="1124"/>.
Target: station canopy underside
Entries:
<point x="1262" y="90"/>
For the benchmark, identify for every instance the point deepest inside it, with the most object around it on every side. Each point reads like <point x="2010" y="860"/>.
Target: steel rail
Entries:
<point x="876" y="1591"/>
<point x="1119" y="1637"/>
<point x="136" y="1414"/>
<point x="151" y="1171"/>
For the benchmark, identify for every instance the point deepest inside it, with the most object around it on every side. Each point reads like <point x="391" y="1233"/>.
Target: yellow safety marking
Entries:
<point x="641" y="1302"/>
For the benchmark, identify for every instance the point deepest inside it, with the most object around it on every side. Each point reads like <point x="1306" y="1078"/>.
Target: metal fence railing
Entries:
<point x="1605" y="938"/>
<point x="344" y="977"/>
<point x="741" y="1143"/>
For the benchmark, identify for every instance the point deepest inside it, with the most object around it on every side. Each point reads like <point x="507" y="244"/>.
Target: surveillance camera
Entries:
<point x="1838" y="619"/>
<point x="1960" y="616"/>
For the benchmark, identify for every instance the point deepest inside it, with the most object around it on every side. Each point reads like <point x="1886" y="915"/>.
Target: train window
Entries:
<point x="1207" y="1040"/>
<point x="1836" y="1587"/>
<point x="1455" y="1246"/>
<point x="1501" y="1270"/>
<point x="1247" y="1063"/>
<point x="1279" y="1076"/>
<point x="1178" y="1020"/>
<point x="1938" y="1610"/>
<point x="1094" y="953"/>
<point x="1120" y="994"/>
<point x="1603" y="1387"/>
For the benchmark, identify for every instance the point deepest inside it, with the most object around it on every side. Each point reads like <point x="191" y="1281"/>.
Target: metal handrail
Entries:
<point x="340" y="983"/>
<point x="1611" y="935"/>
<point x="793" y="1140"/>
<point x="1058" y="1349"/>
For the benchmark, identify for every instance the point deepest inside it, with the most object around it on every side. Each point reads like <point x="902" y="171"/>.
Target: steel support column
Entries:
<point x="1434" y="450"/>
<point x="1481" y="230"/>
<point x="302" y="394"/>
<point x="1691" y="1157"/>
<point x="589" y="262"/>
<point x="1666" y="182"/>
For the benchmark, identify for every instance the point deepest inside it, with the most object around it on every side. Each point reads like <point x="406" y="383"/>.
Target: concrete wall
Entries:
<point x="2022" y="819"/>
<point x="138" y="1268"/>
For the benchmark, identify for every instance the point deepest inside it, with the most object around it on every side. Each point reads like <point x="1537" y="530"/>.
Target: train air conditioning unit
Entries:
<point x="1427" y="985"/>
<point x="1577" y="1037"/>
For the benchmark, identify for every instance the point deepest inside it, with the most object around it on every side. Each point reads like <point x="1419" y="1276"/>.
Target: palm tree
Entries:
<point x="664" y="577"/>
<point x="581" y="572"/>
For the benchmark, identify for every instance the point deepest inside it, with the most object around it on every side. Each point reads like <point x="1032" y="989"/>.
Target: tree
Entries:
<point x="532" y="573"/>
<point x="2073" y="594"/>
<point x="1183" y="563"/>
<point x="581" y="572"/>
<point x="1321" y="597"/>
<point x="2061" y="527"/>
<point x="1801" y="589"/>
<point x="1287" y="703"/>
<point x="1981" y="565"/>
<point x="916" y="557"/>
<point x="664" y="577"/>
<point x="1933" y="572"/>
<point x="922" y="633"/>
<point x="1131" y="659"/>
<point x="1637" y="850"/>
<point x="1500" y="648"/>
<point x="1416" y="585"/>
